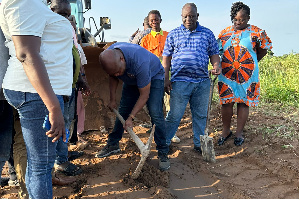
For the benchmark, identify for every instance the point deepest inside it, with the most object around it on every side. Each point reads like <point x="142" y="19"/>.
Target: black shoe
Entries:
<point x="238" y="141"/>
<point x="222" y="139"/>
<point x="4" y="181"/>
<point x="164" y="162"/>
<point x="108" y="150"/>
<point x="198" y="149"/>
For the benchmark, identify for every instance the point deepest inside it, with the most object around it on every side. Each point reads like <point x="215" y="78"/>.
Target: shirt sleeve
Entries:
<point x="265" y="41"/>
<point x="169" y="45"/>
<point x="25" y="20"/>
<point x="213" y="48"/>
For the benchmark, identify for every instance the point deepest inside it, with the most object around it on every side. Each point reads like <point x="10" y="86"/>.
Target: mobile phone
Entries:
<point x="47" y="127"/>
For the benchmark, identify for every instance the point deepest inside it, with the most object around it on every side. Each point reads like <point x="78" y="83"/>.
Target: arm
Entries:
<point x="215" y="61"/>
<point x="27" y="51"/>
<point x="113" y="85"/>
<point x="82" y="82"/>
<point x="142" y="100"/>
<point x="166" y="62"/>
<point x="260" y="53"/>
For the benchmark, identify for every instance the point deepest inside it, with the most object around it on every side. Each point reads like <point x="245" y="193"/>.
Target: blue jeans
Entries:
<point x="62" y="147"/>
<point x="197" y="94"/>
<point x="40" y="148"/>
<point x="130" y="94"/>
<point x="6" y="132"/>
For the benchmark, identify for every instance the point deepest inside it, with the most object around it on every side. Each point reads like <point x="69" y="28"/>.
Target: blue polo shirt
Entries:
<point x="141" y="65"/>
<point x="190" y="51"/>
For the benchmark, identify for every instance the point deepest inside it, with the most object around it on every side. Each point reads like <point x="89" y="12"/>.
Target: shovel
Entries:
<point x="145" y="149"/>
<point x="207" y="145"/>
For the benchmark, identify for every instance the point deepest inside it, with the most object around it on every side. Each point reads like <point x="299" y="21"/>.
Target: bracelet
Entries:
<point x="82" y="74"/>
<point x="132" y="117"/>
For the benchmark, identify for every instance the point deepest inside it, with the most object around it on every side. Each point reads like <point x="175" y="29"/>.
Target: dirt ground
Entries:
<point x="266" y="166"/>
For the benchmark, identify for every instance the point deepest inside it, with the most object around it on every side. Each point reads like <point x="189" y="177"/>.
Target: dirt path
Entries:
<point x="266" y="166"/>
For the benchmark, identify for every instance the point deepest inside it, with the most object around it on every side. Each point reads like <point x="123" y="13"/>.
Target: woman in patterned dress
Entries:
<point x="242" y="46"/>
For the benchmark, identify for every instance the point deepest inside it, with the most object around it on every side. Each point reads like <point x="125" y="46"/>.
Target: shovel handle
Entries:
<point x="212" y="83"/>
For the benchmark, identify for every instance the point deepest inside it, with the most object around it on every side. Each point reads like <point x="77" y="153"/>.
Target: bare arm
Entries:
<point x="215" y="61"/>
<point x="27" y="51"/>
<point x="260" y="53"/>
<point x="142" y="100"/>
<point x="166" y="62"/>
<point x="113" y="85"/>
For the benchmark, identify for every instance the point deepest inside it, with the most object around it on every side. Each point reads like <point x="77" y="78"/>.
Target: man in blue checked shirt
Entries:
<point x="188" y="49"/>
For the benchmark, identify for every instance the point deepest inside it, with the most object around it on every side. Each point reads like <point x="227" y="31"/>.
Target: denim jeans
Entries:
<point x="130" y="94"/>
<point x="6" y="131"/>
<point x="197" y="94"/>
<point x="62" y="147"/>
<point x="40" y="148"/>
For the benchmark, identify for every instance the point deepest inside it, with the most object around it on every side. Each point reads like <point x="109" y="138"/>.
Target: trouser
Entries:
<point x="40" y="148"/>
<point x="130" y="94"/>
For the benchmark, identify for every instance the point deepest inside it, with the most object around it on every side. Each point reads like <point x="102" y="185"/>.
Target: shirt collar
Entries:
<point x="198" y="28"/>
<point x="154" y="33"/>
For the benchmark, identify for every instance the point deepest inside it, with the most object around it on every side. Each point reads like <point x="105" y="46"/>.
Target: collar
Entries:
<point x="198" y="28"/>
<point x="154" y="33"/>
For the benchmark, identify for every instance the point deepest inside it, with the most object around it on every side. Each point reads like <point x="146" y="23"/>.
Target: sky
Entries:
<point x="279" y="18"/>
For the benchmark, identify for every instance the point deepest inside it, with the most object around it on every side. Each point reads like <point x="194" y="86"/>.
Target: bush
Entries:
<point x="279" y="76"/>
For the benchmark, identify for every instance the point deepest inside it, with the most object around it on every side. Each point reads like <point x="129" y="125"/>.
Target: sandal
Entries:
<point x="69" y="169"/>
<point x="222" y="139"/>
<point x="238" y="141"/>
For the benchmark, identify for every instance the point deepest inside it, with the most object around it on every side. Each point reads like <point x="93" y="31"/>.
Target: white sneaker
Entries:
<point x="175" y="139"/>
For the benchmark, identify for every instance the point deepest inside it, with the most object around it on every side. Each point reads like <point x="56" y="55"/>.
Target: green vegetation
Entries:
<point x="279" y="76"/>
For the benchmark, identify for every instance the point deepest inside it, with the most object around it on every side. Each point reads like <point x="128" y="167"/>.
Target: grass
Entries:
<point x="279" y="76"/>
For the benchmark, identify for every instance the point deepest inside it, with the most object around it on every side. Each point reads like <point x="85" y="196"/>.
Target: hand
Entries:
<point x="216" y="71"/>
<point x="112" y="105"/>
<point x="83" y="87"/>
<point x="57" y="129"/>
<point x="133" y="35"/>
<point x="168" y="86"/>
<point x="128" y="123"/>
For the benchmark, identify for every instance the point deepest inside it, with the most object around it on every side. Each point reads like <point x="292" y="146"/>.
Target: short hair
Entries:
<point x="146" y="20"/>
<point x="55" y="4"/>
<point x="155" y="12"/>
<point x="238" y="6"/>
<point x="191" y="5"/>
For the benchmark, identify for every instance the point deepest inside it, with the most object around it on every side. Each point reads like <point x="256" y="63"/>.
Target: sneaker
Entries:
<point x="198" y="149"/>
<point x="13" y="182"/>
<point x="164" y="162"/>
<point x="175" y="139"/>
<point x="108" y="150"/>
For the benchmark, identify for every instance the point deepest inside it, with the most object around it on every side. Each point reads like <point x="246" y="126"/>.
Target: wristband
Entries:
<point x="83" y="74"/>
<point x="132" y="117"/>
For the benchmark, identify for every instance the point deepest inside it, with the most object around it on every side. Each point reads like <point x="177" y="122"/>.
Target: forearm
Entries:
<point x="142" y="100"/>
<point x="37" y="74"/>
<point x="215" y="61"/>
<point x="166" y="62"/>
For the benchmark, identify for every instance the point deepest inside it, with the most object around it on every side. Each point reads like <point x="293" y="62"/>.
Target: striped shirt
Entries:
<point x="190" y="51"/>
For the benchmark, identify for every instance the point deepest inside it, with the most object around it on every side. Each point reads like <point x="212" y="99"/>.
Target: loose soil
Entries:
<point x="266" y="166"/>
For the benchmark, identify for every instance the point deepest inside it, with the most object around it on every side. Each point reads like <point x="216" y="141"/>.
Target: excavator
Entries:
<point x="97" y="114"/>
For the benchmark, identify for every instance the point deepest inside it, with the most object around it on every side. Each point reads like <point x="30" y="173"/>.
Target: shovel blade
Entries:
<point x="207" y="147"/>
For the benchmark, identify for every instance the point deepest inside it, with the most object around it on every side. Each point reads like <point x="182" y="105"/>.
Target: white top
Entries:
<point x="33" y="17"/>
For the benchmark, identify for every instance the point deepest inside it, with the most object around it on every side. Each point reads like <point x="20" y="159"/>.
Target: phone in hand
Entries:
<point x="47" y="127"/>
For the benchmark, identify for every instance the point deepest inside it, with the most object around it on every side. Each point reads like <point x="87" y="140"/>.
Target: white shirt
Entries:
<point x="33" y="17"/>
